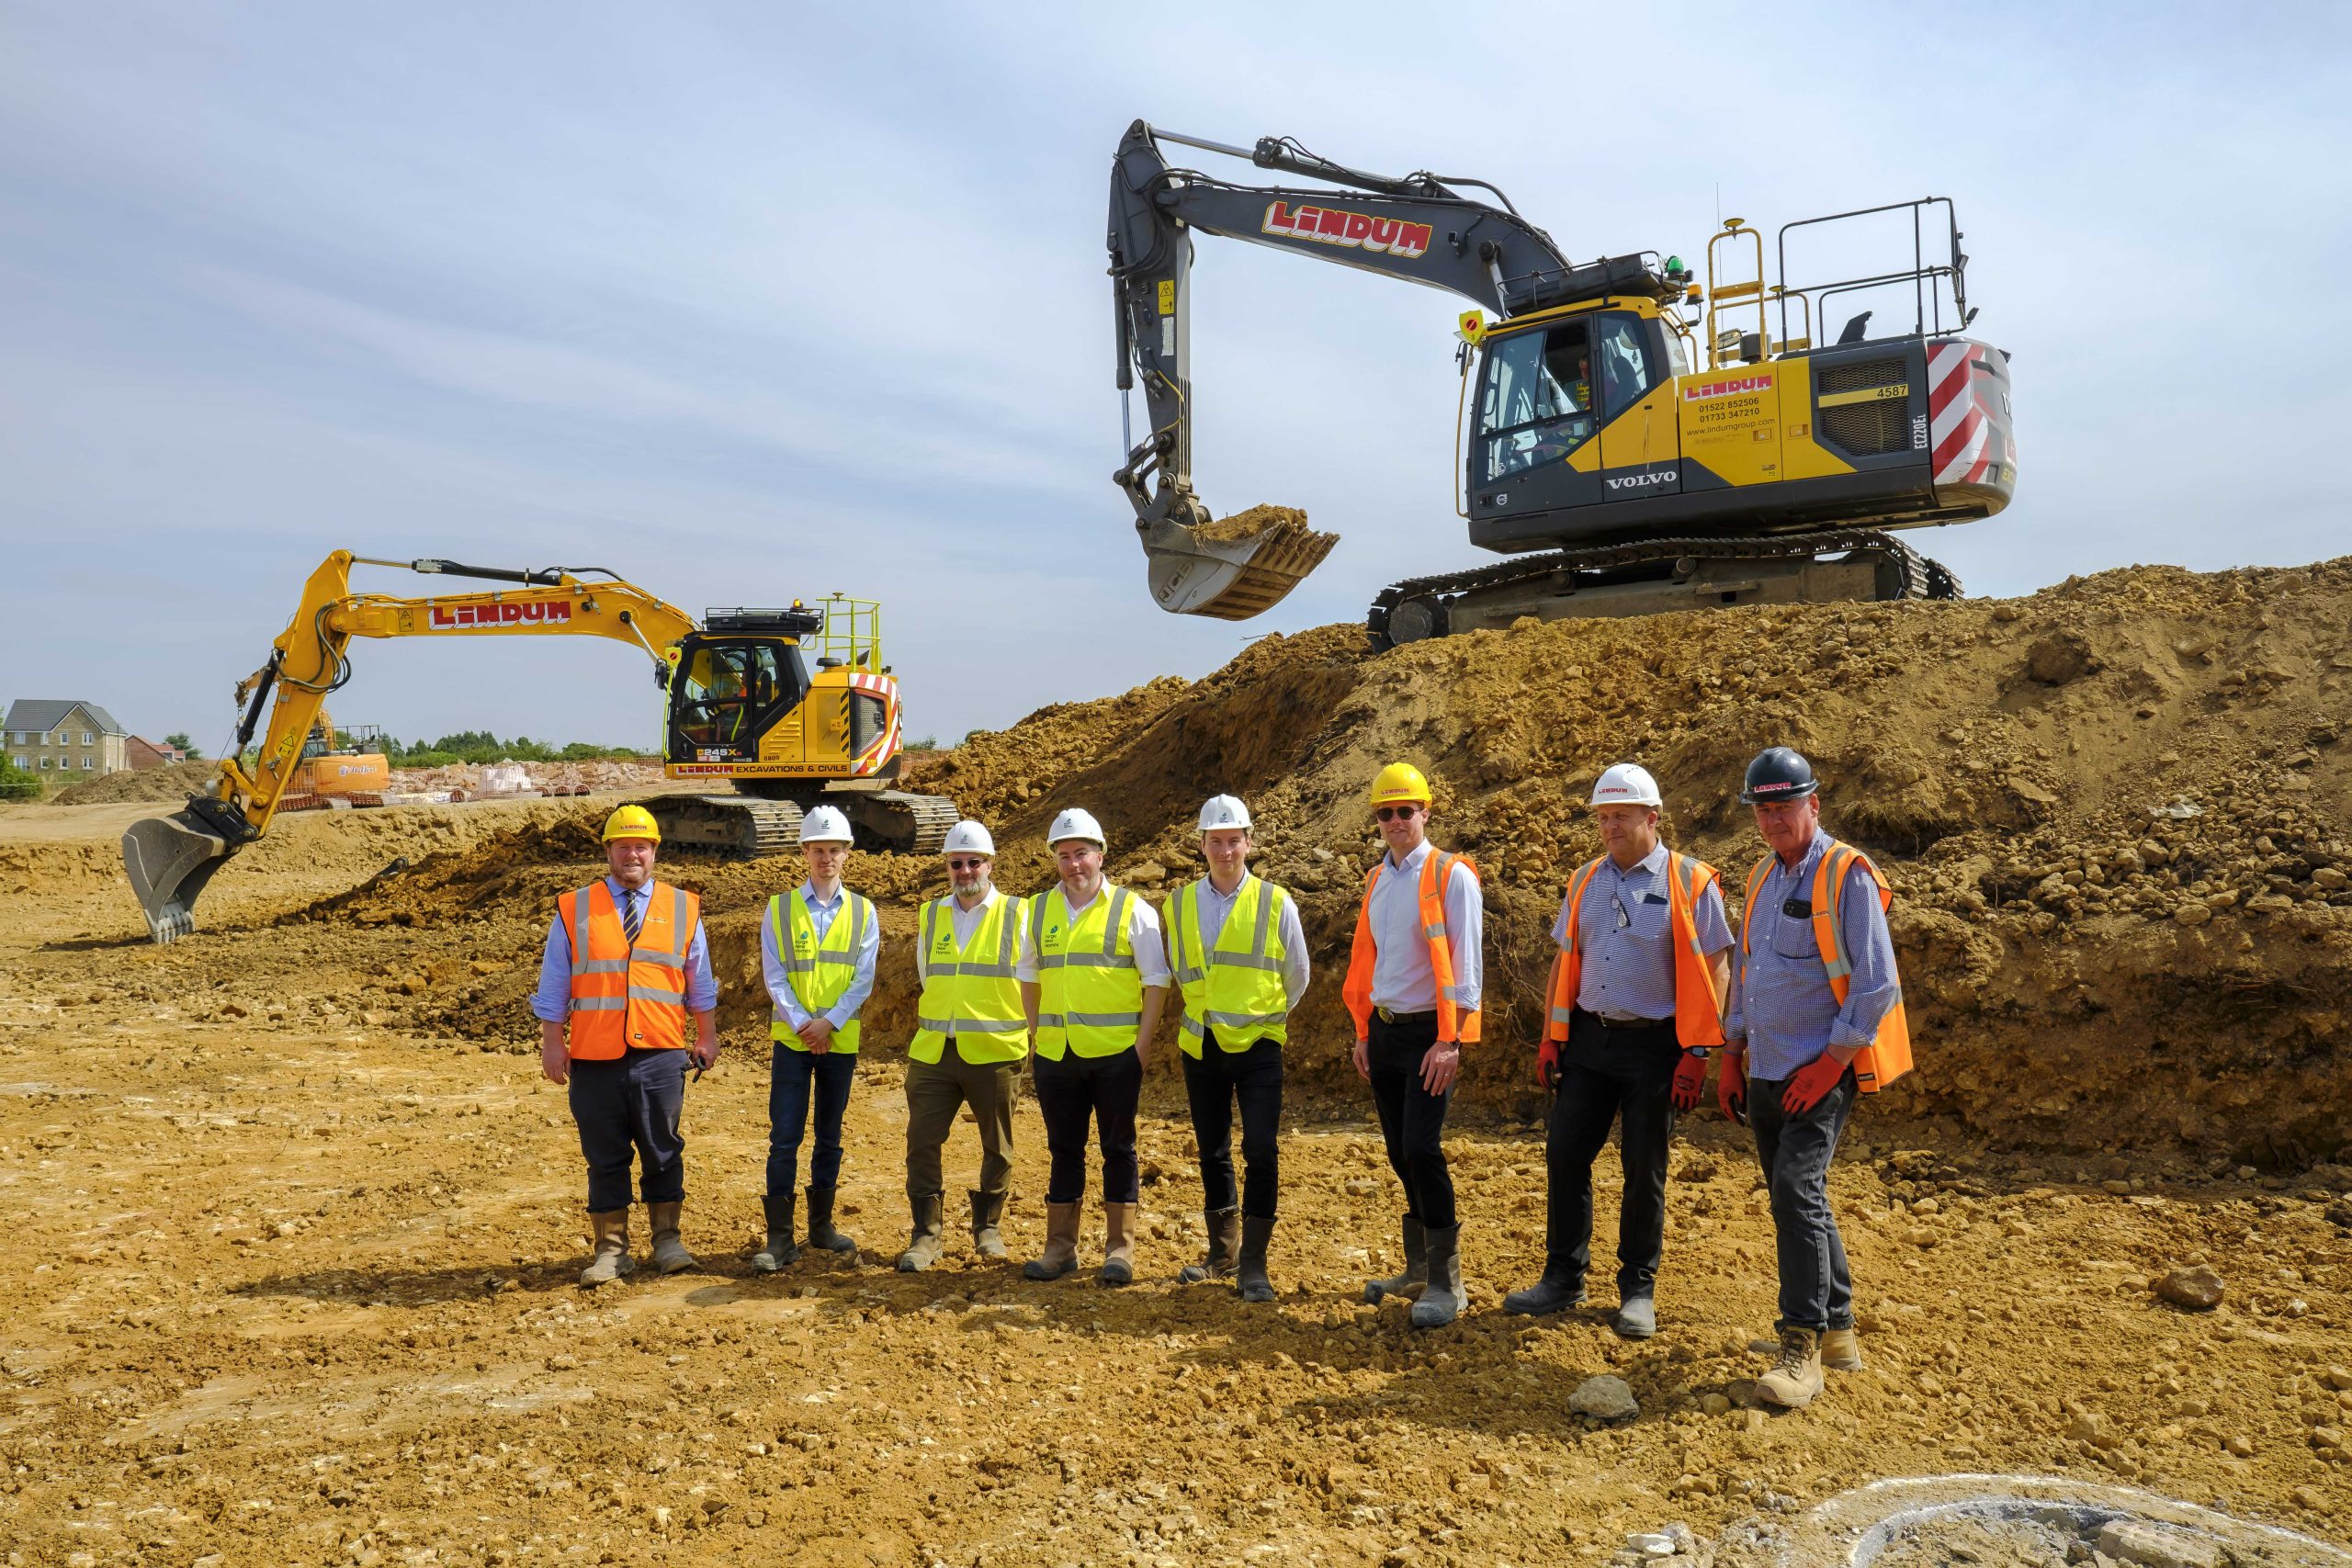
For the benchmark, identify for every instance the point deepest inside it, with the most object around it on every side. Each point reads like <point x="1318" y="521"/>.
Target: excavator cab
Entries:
<point x="729" y="691"/>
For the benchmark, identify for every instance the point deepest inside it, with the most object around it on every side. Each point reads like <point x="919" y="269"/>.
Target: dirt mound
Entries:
<point x="174" y="781"/>
<point x="2113" y="812"/>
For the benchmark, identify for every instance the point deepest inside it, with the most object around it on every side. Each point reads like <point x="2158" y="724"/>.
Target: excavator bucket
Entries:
<point x="1233" y="567"/>
<point x="169" y="859"/>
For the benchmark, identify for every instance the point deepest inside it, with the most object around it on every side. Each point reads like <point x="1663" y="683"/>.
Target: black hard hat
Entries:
<point x="1778" y="773"/>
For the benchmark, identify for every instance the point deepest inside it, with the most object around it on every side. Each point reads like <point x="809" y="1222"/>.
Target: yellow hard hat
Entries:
<point x="1399" y="782"/>
<point x="632" y="822"/>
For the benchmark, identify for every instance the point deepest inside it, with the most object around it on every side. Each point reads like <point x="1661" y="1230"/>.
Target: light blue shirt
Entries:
<point x="551" y="1003"/>
<point x="1628" y="969"/>
<point x="1782" y="1004"/>
<point x="821" y="915"/>
<point x="1402" y="979"/>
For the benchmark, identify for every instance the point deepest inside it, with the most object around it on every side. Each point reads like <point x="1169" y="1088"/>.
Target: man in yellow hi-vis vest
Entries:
<point x="1095" y="982"/>
<point x="817" y="945"/>
<point x="971" y="1036"/>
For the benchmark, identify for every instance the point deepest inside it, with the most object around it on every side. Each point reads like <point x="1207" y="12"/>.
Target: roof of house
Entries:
<point x="43" y="714"/>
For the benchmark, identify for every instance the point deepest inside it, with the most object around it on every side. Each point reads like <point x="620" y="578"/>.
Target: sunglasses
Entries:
<point x="1396" y="813"/>
<point x="965" y="865"/>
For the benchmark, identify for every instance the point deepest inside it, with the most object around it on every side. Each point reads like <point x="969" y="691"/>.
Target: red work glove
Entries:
<point x="1804" y="1089"/>
<point x="1690" y="1080"/>
<point x="1547" y="1064"/>
<point x="1731" y="1088"/>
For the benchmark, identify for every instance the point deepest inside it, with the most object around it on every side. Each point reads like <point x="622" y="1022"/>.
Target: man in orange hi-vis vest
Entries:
<point x="1636" y="1001"/>
<point x="1816" y="1018"/>
<point x="1412" y="989"/>
<point x="626" y="966"/>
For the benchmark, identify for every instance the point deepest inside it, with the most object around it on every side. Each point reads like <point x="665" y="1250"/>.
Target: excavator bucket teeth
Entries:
<point x="1236" y="568"/>
<point x="169" y="859"/>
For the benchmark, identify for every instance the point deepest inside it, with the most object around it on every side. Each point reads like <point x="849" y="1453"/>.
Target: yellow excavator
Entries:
<point x="742" y="704"/>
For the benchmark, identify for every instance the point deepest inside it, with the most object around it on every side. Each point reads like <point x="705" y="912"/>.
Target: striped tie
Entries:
<point x="633" y="916"/>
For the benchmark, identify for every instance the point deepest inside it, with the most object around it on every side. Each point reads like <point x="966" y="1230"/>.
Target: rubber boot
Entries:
<point x="1636" y="1317"/>
<point x="821" y="1233"/>
<point x="781" y="1248"/>
<point x="1795" y="1377"/>
<point x="988" y="1208"/>
<point x="1118" y="1244"/>
<point x="1416" y="1277"/>
<point x="1251" y="1272"/>
<point x="1549" y="1295"/>
<point x="612" y="1259"/>
<point x="670" y="1254"/>
<point x="1444" y="1299"/>
<point x="1225" y="1246"/>
<point x="922" y="1248"/>
<point x="1061" y="1244"/>
<point x="1840" y="1350"/>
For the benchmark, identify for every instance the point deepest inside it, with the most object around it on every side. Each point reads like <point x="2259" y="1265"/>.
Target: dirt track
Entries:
<point x="296" y="1223"/>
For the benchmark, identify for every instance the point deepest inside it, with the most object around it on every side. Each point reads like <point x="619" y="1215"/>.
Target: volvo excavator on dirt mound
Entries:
<point x="742" y="705"/>
<point x="1634" y="439"/>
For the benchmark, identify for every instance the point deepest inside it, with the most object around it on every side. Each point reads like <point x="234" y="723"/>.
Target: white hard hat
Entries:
<point x="1078" y="823"/>
<point x="969" y="838"/>
<point x="824" y="825"/>
<point x="1627" y="783"/>
<point x="1224" y="811"/>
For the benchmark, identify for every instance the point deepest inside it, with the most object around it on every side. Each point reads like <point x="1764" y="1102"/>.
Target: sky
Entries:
<point x="751" y="302"/>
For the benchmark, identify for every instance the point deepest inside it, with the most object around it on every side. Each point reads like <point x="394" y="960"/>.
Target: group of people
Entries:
<point x="1801" y="1008"/>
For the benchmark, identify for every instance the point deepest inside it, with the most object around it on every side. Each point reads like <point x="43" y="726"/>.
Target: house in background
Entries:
<point x="48" y="735"/>
<point x="152" y="753"/>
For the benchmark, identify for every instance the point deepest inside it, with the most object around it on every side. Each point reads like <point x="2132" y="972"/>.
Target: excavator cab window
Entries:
<point x="730" y="692"/>
<point x="1629" y="364"/>
<point x="1536" y="404"/>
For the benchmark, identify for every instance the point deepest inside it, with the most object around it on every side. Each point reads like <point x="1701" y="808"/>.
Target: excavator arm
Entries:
<point x="170" y="859"/>
<point x="1418" y="228"/>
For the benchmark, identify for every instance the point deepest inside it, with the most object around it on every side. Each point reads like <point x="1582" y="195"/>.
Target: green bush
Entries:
<point x="17" y="784"/>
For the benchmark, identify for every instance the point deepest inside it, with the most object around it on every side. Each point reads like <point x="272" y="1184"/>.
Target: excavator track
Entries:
<point x="1425" y="600"/>
<point x="909" y="824"/>
<point x="739" y="824"/>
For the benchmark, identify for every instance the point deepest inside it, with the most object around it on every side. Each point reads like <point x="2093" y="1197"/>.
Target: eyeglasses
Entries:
<point x="1396" y="813"/>
<point x="965" y="865"/>
<point x="1623" y="918"/>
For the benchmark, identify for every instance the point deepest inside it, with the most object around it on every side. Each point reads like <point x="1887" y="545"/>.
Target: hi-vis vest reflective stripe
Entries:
<point x="1090" y="993"/>
<point x="1453" y="1024"/>
<point x="818" y="972"/>
<point x="1233" y="985"/>
<point x="1698" y="1009"/>
<point x="1888" y="1055"/>
<point x="626" y="997"/>
<point x="971" y="992"/>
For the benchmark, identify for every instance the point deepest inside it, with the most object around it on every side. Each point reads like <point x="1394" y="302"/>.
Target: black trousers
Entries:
<point x="630" y="1107"/>
<point x="1605" y="1075"/>
<point x="1412" y="1120"/>
<point x="1796" y="1150"/>
<point x="1074" y="1090"/>
<point x="1213" y="1081"/>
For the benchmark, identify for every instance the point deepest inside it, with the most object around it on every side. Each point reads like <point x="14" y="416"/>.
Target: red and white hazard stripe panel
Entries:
<point x="1966" y="440"/>
<point x="886" y="745"/>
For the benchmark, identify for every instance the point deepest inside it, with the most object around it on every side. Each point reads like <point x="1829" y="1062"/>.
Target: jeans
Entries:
<point x="1104" y="1089"/>
<point x="1816" y="1289"/>
<point x="630" y="1106"/>
<point x="794" y="1074"/>
<point x="1412" y="1120"/>
<point x="1603" y="1073"/>
<point x="1213" y="1081"/>
<point x="936" y="1092"/>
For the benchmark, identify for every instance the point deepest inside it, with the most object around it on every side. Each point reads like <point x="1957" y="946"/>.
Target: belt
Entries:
<point x="1607" y="1022"/>
<point x="1390" y="1015"/>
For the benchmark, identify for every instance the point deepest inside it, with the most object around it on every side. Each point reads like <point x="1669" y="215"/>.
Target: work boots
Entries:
<point x="1551" y="1293"/>
<point x="1225" y="1247"/>
<point x="1840" y="1351"/>
<point x="821" y="1233"/>
<point x="1636" y="1317"/>
<point x="988" y="1208"/>
<point x="612" y="1259"/>
<point x="1118" y="1244"/>
<point x="1251" y="1272"/>
<point x="1795" y="1377"/>
<point x="1416" y="1277"/>
<point x="670" y="1254"/>
<point x="781" y="1248"/>
<point x="1061" y="1244"/>
<point x="1444" y="1298"/>
<point x="922" y="1248"/>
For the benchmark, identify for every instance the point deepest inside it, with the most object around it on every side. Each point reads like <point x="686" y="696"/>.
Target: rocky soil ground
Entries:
<point x="297" y="1224"/>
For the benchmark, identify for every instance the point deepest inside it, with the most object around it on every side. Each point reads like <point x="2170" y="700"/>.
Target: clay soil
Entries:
<point x="295" y="1224"/>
